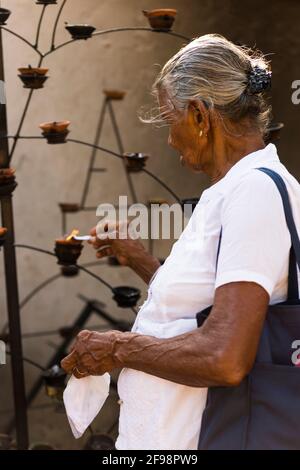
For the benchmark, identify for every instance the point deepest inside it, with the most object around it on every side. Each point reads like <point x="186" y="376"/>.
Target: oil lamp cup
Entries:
<point x="7" y="442"/>
<point x="33" y="77"/>
<point x="157" y="201"/>
<point x="273" y="132"/>
<point x="3" y="232"/>
<point x="114" y="94"/>
<point x="46" y="2"/>
<point x="189" y="202"/>
<point x="7" y="176"/>
<point x="4" y="15"/>
<point x="126" y="296"/>
<point x="161" y="19"/>
<point x="7" y="181"/>
<point x="41" y="446"/>
<point x="99" y="442"/>
<point x="54" y="379"/>
<point x="80" y="31"/>
<point x="69" y="271"/>
<point x="135" y="162"/>
<point x="68" y="251"/>
<point x="69" y="207"/>
<point x="55" y="132"/>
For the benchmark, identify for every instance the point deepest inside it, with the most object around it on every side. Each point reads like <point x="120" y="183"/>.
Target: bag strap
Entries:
<point x="293" y="289"/>
<point x="294" y="259"/>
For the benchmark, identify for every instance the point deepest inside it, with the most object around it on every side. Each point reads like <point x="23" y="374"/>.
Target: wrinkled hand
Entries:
<point x="92" y="354"/>
<point x="110" y="244"/>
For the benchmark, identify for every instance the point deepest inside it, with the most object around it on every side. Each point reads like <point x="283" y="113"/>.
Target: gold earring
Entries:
<point x="200" y="133"/>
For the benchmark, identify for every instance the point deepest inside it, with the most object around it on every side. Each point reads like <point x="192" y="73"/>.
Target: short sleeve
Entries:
<point x="255" y="239"/>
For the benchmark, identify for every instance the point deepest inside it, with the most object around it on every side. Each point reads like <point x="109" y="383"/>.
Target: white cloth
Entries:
<point x="83" y="399"/>
<point x="159" y="414"/>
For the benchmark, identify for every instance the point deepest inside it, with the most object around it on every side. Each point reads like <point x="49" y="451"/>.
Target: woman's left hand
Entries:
<point x="92" y="354"/>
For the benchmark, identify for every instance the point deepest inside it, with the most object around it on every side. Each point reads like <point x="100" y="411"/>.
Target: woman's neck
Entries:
<point x="229" y="152"/>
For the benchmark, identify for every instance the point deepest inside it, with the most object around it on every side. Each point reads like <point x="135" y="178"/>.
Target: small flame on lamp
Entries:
<point x="73" y="234"/>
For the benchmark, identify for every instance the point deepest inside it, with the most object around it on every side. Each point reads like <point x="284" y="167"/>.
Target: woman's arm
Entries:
<point x="220" y="353"/>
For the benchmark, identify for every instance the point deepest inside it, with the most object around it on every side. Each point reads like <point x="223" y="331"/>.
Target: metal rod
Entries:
<point x="118" y="30"/>
<point x="22" y="118"/>
<point x="64" y="223"/>
<point x="121" y="149"/>
<point x="22" y="39"/>
<point x="76" y="141"/>
<point x="38" y="289"/>
<point x="12" y="291"/>
<point x="149" y="173"/>
<point x="34" y="248"/>
<point x="29" y="361"/>
<point x="94" y="153"/>
<point x="37" y="334"/>
<point x="16" y="137"/>
<point x="56" y="23"/>
<point x="58" y="355"/>
<point x="164" y="185"/>
<point x="82" y="268"/>
<point x="39" y="27"/>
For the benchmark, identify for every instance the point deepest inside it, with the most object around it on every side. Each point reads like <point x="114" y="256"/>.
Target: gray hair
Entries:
<point x="216" y="71"/>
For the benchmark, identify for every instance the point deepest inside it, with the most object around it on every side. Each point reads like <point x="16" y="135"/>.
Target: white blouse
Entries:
<point x="156" y="413"/>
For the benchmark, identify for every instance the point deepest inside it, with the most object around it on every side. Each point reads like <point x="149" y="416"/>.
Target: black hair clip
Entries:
<point x="258" y="80"/>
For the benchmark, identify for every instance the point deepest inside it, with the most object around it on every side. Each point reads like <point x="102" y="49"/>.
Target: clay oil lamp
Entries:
<point x="126" y="296"/>
<point x="3" y="232"/>
<point x="7" y="442"/>
<point x="4" y="15"/>
<point x="33" y="77"/>
<point x="41" y="446"/>
<point x="159" y="201"/>
<point x="69" y="207"/>
<point x="46" y="2"/>
<point x="161" y="19"/>
<point x="7" y="180"/>
<point x="54" y="379"/>
<point x="7" y="176"/>
<point x="69" y="271"/>
<point x="68" y="249"/>
<point x="80" y="31"/>
<point x="190" y="202"/>
<point x="55" y="132"/>
<point x="99" y="442"/>
<point x="135" y="161"/>
<point x="273" y="132"/>
<point x="114" y="94"/>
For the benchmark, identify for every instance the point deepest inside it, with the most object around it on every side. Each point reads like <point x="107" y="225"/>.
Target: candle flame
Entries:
<point x="72" y="235"/>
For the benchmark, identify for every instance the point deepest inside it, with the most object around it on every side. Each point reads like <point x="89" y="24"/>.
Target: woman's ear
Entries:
<point x="201" y="115"/>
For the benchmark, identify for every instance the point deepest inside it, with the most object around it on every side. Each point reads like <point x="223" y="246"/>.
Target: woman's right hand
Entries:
<point x="110" y="243"/>
<point x="128" y="251"/>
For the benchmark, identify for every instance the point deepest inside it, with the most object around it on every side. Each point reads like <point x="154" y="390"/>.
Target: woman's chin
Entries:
<point x="190" y="166"/>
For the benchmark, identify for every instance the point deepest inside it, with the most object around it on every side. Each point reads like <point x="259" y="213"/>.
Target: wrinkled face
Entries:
<point x="187" y="134"/>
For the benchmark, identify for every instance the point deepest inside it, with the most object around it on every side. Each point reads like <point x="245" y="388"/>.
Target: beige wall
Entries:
<point x="50" y="174"/>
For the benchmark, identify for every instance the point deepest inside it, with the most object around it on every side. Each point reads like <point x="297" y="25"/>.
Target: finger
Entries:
<point x="79" y="374"/>
<point x="97" y="243"/>
<point x="93" y="232"/>
<point x="83" y="334"/>
<point x="104" y="252"/>
<point x="69" y="362"/>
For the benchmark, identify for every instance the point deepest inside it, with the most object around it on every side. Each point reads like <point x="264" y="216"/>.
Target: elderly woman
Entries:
<point x="211" y="96"/>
